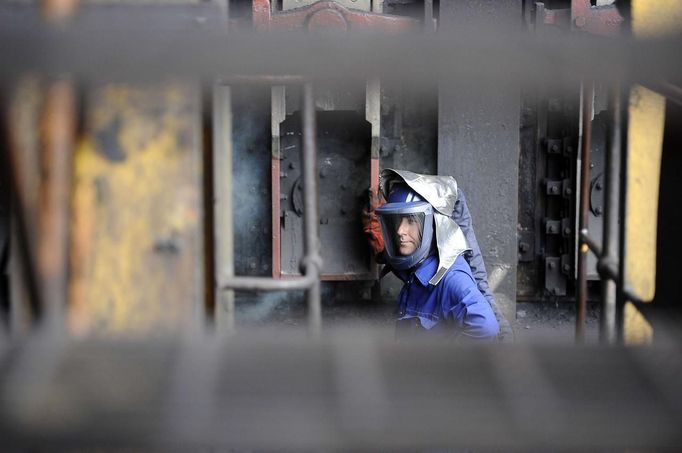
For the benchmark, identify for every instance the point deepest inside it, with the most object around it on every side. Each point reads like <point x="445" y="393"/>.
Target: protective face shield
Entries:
<point x="441" y="194"/>
<point x="407" y="227"/>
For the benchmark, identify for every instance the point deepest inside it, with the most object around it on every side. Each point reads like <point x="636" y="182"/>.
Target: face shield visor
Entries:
<point x="408" y="230"/>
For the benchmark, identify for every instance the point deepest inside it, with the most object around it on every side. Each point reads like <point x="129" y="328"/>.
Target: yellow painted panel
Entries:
<point x="636" y="329"/>
<point x="137" y="230"/>
<point x="645" y="140"/>
<point x="655" y="19"/>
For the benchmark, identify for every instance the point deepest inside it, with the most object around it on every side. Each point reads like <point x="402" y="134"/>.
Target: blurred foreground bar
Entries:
<point x="346" y="392"/>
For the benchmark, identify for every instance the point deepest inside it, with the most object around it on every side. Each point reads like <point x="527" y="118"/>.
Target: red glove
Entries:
<point x="370" y="222"/>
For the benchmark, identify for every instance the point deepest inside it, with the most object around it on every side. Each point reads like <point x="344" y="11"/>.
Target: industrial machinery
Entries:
<point x="136" y="207"/>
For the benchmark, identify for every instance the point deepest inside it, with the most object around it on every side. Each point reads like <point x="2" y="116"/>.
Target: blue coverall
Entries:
<point x="455" y="306"/>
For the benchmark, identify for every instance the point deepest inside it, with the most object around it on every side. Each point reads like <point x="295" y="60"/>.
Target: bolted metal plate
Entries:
<point x="343" y="155"/>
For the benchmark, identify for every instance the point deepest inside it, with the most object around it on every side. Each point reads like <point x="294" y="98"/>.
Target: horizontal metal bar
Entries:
<point x="268" y="284"/>
<point x="607" y="268"/>
<point x="263" y="79"/>
<point x="591" y="243"/>
<point x="122" y="52"/>
<point x="351" y="391"/>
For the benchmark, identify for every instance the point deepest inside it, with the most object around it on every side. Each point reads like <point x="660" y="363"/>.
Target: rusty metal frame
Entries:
<point x="327" y="14"/>
<point x="596" y="20"/>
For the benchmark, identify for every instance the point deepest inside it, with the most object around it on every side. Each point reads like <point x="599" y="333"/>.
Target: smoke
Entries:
<point x="276" y="307"/>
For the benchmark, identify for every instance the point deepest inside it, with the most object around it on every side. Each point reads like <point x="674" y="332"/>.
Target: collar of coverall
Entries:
<point x="441" y="193"/>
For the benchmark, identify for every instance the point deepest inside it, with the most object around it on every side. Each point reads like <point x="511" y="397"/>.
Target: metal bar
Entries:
<point x="264" y="79"/>
<point x="591" y="243"/>
<point x="58" y="125"/>
<point x="282" y="392"/>
<point x="583" y="248"/>
<point x="25" y="232"/>
<point x="268" y="284"/>
<point x="85" y="50"/>
<point x="429" y="19"/>
<point x="312" y="261"/>
<point x="607" y="320"/>
<point x="223" y="229"/>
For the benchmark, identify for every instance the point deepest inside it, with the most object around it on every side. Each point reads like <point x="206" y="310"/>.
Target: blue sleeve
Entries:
<point x="462" y="217"/>
<point x="463" y="304"/>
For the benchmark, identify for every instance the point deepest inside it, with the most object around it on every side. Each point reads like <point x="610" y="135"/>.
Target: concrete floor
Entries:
<point x="550" y="323"/>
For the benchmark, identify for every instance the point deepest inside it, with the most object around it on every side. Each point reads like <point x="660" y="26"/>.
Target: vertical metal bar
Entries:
<point x="607" y="327"/>
<point x="310" y="202"/>
<point x="429" y="25"/>
<point x="583" y="249"/>
<point x="58" y="124"/>
<point x="223" y="231"/>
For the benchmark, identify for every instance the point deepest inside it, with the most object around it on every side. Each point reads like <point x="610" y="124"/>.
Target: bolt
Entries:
<point x="598" y="210"/>
<point x="567" y="267"/>
<point x="343" y="211"/>
<point x="555" y="290"/>
<point x="523" y="247"/>
<point x="580" y="21"/>
<point x="551" y="265"/>
<point x="568" y="191"/>
<point x="292" y="166"/>
<point x="552" y="229"/>
<point x="569" y="149"/>
<point x="283" y="174"/>
<point x="252" y="265"/>
<point x="598" y="186"/>
<point x="554" y="189"/>
<point x="323" y="172"/>
<point x="591" y="164"/>
<point x="567" y="231"/>
<point x="555" y="147"/>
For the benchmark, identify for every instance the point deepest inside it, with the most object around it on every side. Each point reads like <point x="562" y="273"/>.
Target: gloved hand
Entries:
<point x="370" y="222"/>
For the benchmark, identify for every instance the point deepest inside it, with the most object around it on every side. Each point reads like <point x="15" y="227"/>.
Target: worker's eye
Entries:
<point x="411" y="220"/>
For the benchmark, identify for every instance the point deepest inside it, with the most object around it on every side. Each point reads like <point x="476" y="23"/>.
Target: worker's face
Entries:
<point x="408" y="235"/>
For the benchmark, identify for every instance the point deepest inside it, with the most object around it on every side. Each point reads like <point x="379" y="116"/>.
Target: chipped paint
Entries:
<point x="137" y="195"/>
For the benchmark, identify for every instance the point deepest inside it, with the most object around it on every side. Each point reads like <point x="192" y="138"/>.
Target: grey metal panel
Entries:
<point x="478" y="144"/>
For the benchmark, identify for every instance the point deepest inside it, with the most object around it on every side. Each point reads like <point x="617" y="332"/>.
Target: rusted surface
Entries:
<point x="328" y="15"/>
<point x="57" y="133"/>
<point x="137" y="262"/>
<point x="596" y="20"/>
<point x="58" y="11"/>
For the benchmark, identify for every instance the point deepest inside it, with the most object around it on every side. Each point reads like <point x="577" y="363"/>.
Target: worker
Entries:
<point x="424" y="247"/>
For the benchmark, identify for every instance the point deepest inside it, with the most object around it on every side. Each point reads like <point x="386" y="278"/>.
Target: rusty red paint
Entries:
<point x="596" y="20"/>
<point x="328" y="15"/>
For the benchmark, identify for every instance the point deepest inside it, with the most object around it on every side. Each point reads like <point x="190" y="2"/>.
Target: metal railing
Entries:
<point x="311" y="262"/>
